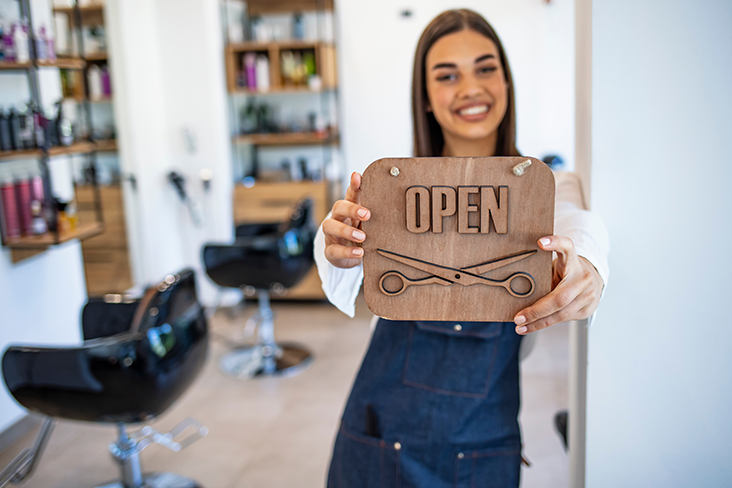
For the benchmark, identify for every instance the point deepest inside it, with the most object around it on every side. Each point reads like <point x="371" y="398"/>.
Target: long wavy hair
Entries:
<point x="428" y="138"/>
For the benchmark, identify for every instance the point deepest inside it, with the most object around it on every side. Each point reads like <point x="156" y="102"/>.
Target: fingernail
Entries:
<point x="357" y="234"/>
<point x="545" y="241"/>
<point x="521" y="330"/>
<point x="362" y="213"/>
<point x="520" y="319"/>
<point x="357" y="251"/>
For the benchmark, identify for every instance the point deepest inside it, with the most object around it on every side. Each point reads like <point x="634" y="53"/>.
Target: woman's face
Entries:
<point x="466" y="86"/>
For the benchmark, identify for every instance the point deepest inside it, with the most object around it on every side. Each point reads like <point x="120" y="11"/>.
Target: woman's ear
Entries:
<point x="429" y="107"/>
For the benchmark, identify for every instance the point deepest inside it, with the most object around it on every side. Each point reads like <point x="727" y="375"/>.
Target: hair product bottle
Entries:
<point x="15" y="130"/>
<point x="95" y="82"/>
<point x="262" y="73"/>
<point x="10" y="209"/>
<point x="6" y="141"/>
<point x="23" y="196"/>
<point x="251" y="70"/>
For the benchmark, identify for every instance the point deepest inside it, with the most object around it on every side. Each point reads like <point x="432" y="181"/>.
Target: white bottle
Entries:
<point x="20" y="39"/>
<point x="262" y="73"/>
<point x="95" y="82"/>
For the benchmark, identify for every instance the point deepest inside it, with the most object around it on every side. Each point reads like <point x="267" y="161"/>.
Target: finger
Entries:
<point x="563" y="246"/>
<point x="336" y="252"/>
<point x="558" y="299"/>
<point x="353" y="193"/>
<point x="343" y="209"/>
<point x="334" y="228"/>
<point x="570" y="312"/>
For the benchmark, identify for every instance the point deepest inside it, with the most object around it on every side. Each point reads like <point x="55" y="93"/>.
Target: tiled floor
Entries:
<point x="275" y="433"/>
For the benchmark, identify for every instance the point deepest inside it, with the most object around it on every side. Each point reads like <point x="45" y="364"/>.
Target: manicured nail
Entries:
<point x="357" y="251"/>
<point x="357" y="234"/>
<point x="521" y="330"/>
<point x="520" y="319"/>
<point x="362" y="213"/>
<point x="545" y="241"/>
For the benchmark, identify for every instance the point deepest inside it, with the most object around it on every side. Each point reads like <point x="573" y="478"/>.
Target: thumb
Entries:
<point x="353" y="194"/>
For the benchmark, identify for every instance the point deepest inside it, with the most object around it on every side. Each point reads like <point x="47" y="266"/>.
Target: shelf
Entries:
<point x="5" y="66"/>
<point x="102" y="99"/>
<point x="76" y="148"/>
<point x="258" y="7"/>
<point x="25" y="154"/>
<point x="89" y="14"/>
<point x="83" y="231"/>
<point x="99" y="56"/>
<point x="63" y="63"/>
<point x="281" y="90"/>
<point x="286" y="139"/>
<point x="242" y="47"/>
<point x="86" y="9"/>
<point x="108" y="145"/>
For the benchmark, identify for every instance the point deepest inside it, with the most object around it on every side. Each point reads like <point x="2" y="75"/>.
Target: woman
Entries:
<point x="433" y="406"/>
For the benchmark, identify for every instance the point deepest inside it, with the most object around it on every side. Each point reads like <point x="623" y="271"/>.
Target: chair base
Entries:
<point x="261" y="360"/>
<point x="159" y="480"/>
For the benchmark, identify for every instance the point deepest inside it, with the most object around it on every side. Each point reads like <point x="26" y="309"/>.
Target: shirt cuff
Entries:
<point x="341" y="286"/>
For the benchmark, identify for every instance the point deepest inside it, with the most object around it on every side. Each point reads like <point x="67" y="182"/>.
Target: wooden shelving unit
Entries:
<point x="5" y="66"/>
<point x="259" y="7"/>
<point x="63" y="63"/>
<point x="98" y="56"/>
<point x="325" y="64"/>
<point x="25" y="154"/>
<point x="82" y="231"/>
<point x="287" y="139"/>
<point x="29" y="245"/>
<point x="108" y="145"/>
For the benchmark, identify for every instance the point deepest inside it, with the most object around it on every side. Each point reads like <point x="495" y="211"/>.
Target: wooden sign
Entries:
<point x="455" y="239"/>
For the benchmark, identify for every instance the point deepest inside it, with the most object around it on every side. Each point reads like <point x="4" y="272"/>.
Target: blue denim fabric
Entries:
<point x="433" y="407"/>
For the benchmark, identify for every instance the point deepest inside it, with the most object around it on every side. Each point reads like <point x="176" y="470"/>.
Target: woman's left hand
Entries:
<point x="576" y="289"/>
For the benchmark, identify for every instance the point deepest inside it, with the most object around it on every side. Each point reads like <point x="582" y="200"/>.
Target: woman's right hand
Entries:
<point x="343" y="229"/>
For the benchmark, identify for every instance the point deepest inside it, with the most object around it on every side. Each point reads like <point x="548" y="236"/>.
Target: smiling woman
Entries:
<point x="462" y="90"/>
<point x="436" y="402"/>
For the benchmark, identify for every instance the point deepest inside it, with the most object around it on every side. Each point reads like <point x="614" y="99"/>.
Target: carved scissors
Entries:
<point x="446" y="276"/>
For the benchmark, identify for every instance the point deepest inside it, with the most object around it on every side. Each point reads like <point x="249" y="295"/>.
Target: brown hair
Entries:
<point x="428" y="138"/>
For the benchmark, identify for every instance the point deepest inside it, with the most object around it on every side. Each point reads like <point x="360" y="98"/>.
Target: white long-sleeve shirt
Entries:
<point x="585" y="228"/>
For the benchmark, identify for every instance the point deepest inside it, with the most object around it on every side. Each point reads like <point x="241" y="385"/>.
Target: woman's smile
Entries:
<point x="473" y="112"/>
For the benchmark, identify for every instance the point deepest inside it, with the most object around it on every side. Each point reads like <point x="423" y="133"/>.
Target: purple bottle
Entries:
<point x="250" y="67"/>
<point x="23" y="194"/>
<point x="106" y="84"/>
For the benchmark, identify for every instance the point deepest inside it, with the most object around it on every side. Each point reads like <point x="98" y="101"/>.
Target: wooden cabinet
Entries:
<point x="106" y="256"/>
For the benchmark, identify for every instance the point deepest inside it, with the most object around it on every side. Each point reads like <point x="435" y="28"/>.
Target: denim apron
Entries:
<point x="435" y="405"/>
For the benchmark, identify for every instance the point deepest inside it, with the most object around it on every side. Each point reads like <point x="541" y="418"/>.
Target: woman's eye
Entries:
<point x="447" y="77"/>
<point x="487" y="69"/>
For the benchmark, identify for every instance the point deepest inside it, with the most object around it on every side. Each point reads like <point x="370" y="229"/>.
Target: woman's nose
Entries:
<point x="470" y="87"/>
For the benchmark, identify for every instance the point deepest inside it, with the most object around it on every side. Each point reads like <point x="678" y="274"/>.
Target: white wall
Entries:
<point x="375" y="54"/>
<point x="660" y="367"/>
<point x="167" y="59"/>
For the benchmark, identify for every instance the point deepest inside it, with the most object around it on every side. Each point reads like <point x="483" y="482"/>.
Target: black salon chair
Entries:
<point x="269" y="257"/>
<point x="137" y="359"/>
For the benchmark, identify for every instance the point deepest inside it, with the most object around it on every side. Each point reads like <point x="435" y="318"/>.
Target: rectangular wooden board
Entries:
<point x="456" y="213"/>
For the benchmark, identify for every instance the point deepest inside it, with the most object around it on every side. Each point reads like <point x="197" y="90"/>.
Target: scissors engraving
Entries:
<point x="446" y="276"/>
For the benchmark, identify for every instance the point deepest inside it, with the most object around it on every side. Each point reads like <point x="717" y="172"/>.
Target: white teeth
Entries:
<point x="474" y="110"/>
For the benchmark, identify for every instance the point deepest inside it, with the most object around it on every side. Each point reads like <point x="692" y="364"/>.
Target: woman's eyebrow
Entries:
<point x="444" y="65"/>
<point x="484" y="57"/>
